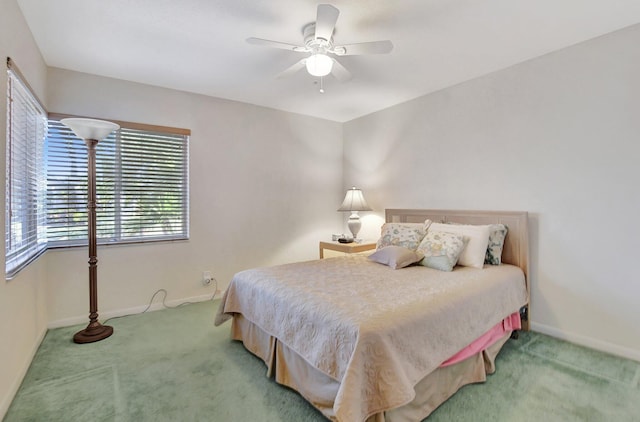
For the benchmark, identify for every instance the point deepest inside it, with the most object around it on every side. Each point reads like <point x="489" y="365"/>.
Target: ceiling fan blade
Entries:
<point x="326" y="19"/>
<point x="275" y="44"/>
<point x="373" y="47"/>
<point x="292" y="69"/>
<point x="340" y="72"/>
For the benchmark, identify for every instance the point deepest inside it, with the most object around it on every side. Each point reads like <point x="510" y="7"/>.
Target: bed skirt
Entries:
<point x="291" y="370"/>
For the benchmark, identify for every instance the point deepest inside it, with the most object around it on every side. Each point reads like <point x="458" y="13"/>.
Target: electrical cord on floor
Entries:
<point x="164" y="298"/>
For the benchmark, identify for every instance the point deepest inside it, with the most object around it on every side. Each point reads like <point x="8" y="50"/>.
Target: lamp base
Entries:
<point x="354" y="224"/>
<point x="93" y="332"/>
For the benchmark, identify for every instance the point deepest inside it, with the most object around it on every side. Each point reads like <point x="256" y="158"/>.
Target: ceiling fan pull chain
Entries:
<point x="321" y="85"/>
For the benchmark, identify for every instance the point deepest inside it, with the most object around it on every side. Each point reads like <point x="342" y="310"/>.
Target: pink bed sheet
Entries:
<point x="510" y="323"/>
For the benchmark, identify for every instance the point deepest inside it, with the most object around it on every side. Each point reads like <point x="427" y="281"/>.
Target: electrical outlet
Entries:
<point x="206" y="278"/>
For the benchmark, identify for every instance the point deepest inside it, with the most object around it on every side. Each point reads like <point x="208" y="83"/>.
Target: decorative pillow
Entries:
<point x="408" y="235"/>
<point x="396" y="256"/>
<point x="478" y="238"/>
<point x="441" y="249"/>
<point x="497" y="234"/>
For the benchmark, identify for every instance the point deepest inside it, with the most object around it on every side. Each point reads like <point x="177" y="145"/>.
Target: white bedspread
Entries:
<point x="376" y="330"/>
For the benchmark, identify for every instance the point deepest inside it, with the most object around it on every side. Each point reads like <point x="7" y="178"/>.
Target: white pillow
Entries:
<point x="396" y="256"/>
<point x="474" y="253"/>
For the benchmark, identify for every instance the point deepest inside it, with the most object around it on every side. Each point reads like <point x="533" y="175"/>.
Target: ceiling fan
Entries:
<point x="318" y="42"/>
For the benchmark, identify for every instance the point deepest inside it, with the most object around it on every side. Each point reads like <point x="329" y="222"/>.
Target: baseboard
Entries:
<point x="15" y="386"/>
<point x="590" y="342"/>
<point x="66" y="322"/>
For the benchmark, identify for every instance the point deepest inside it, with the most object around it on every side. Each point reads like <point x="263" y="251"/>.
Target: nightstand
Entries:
<point x="353" y="247"/>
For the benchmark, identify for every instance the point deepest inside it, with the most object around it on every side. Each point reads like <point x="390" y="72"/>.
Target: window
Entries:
<point x="25" y="229"/>
<point x="141" y="185"/>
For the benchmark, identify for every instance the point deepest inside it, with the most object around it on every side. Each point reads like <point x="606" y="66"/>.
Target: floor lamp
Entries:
<point x="92" y="131"/>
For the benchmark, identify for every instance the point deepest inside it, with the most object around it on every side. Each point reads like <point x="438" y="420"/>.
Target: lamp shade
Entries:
<point x="319" y="65"/>
<point x="354" y="201"/>
<point x="90" y="128"/>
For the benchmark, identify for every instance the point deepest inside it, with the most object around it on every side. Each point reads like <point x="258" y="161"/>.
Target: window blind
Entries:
<point x="25" y="225"/>
<point x="141" y="186"/>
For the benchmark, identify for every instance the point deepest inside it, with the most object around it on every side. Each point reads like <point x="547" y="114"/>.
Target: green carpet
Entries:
<point x="174" y="365"/>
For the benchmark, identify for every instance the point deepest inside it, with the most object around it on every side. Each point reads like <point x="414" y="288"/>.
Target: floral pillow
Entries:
<point x="396" y="256"/>
<point x="497" y="234"/>
<point x="441" y="249"/>
<point x="407" y="235"/>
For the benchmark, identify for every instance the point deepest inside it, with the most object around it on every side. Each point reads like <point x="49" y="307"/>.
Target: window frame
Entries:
<point x="182" y="236"/>
<point x="30" y="179"/>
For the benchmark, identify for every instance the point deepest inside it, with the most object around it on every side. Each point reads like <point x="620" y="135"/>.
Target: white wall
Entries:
<point x="264" y="188"/>
<point x="559" y="137"/>
<point x="23" y="315"/>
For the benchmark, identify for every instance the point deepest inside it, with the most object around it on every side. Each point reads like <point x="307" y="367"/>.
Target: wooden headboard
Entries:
<point x="516" y="244"/>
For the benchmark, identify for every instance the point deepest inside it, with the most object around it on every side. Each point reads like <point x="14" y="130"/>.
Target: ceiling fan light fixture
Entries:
<point x="319" y="64"/>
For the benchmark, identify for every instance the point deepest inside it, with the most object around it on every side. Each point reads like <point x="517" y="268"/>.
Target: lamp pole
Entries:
<point x="92" y="131"/>
<point x="94" y="331"/>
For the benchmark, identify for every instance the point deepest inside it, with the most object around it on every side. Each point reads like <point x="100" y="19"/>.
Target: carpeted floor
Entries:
<point x="174" y="365"/>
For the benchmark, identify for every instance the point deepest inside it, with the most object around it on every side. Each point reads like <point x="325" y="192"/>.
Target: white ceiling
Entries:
<point x="199" y="45"/>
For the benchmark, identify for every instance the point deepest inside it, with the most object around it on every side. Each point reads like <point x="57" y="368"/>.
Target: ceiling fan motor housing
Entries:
<point x="319" y="45"/>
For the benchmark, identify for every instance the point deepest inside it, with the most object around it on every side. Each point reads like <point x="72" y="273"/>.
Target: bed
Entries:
<point x="364" y="342"/>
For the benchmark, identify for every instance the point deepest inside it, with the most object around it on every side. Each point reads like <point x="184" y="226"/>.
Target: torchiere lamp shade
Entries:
<point x="90" y="128"/>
